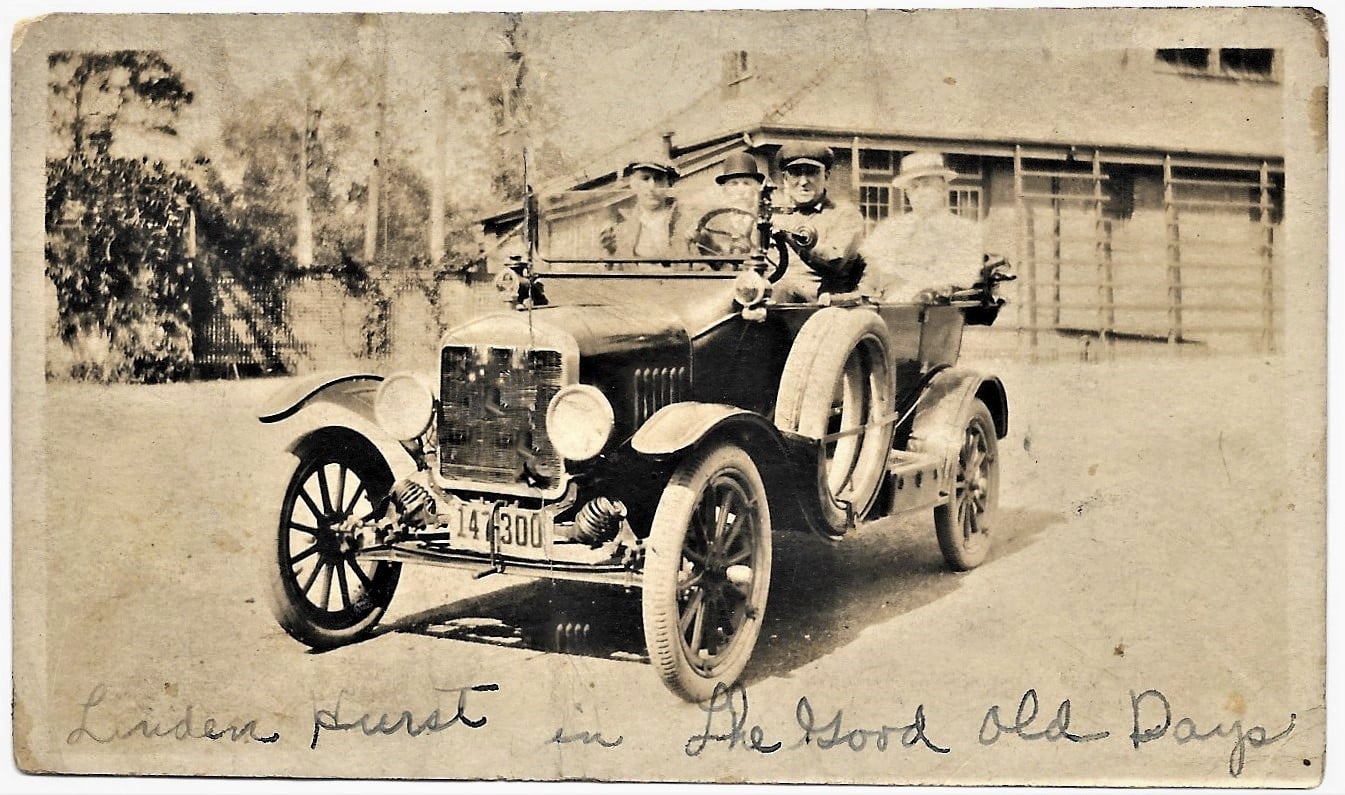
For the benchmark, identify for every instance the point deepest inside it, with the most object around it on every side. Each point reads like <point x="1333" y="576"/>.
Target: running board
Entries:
<point x="915" y="481"/>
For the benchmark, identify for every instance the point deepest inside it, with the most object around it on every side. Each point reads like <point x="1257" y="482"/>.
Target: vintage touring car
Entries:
<point x="643" y="423"/>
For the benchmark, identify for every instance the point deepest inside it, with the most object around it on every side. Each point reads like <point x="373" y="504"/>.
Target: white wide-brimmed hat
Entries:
<point x="922" y="163"/>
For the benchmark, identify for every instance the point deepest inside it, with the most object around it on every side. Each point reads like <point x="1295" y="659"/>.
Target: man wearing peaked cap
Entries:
<point x="927" y="248"/>
<point x="824" y="234"/>
<point x="656" y="165"/>
<point x="653" y="225"/>
<point x="818" y="155"/>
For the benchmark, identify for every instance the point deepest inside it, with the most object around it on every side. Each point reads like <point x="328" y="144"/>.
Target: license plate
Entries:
<point x="522" y="533"/>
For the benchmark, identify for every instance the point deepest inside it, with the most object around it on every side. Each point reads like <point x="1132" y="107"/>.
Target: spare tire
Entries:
<point x="839" y="377"/>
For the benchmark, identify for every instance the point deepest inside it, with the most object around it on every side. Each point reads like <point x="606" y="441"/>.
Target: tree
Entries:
<point x="301" y="162"/>
<point x="500" y="89"/>
<point x="95" y="96"/>
<point x="116" y="227"/>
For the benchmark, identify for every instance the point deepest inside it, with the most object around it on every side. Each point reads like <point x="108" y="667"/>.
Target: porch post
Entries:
<point x="1027" y="253"/>
<point x="1174" y="254"/>
<point x="1267" y="263"/>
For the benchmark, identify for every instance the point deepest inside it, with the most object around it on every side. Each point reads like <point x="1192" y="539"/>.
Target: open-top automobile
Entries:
<point x="649" y="423"/>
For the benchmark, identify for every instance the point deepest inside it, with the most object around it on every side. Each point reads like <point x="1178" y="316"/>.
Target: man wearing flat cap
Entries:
<point x="653" y="225"/>
<point x="824" y="234"/>
<point x="927" y="248"/>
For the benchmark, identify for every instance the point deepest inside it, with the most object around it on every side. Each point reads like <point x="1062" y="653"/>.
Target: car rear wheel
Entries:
<point x="963" y="524"/>
<point x="838" y="378"/>
<point x="320" y="593"/>
<point x="707" y="572"/>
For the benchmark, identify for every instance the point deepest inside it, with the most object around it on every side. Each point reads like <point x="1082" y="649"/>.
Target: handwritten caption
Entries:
<point x="725" y="725"/>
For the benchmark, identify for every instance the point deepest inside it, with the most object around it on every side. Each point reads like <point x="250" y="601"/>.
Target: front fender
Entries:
<point x="354" y="392"/>
<point x="323" y="404"/>
<point x="792" y="466"/>
<point x="681" y="426"/>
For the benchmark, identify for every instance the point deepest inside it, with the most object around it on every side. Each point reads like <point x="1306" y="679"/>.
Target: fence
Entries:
<point x="314" y="323"/>
<point x="1193" y="264"/>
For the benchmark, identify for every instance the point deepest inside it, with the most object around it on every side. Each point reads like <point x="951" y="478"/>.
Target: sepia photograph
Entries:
<point x="889" y="397"/>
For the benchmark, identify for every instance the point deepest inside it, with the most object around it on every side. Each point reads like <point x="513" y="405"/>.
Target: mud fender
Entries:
<point x="673" y="429"/>
<point x="354" y="392"/>
<point x="319" y="403"/>
<point x="944" y="406"/>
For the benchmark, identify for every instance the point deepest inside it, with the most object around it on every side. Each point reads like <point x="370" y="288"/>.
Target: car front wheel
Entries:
<point x="320" y="593"/>
<point x="707" y="572"/>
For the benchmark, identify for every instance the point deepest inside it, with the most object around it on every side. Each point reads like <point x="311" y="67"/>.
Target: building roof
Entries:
<point x="1120" y="99"/>
<point x="1117" y="98"/>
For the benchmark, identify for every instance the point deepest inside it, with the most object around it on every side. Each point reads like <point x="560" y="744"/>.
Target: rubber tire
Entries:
<point x="304" y="621"/>
<point x="819" y="356"/>
<point x="664" y="565"/>
<point x="961" y="552"/>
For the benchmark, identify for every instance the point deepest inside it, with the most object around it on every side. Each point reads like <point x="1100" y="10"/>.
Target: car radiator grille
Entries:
<point x="656" y="387"/>
<point x="492" y="415"/>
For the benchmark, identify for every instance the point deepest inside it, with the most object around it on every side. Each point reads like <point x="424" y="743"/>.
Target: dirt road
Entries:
<point x="1149" y="542"/>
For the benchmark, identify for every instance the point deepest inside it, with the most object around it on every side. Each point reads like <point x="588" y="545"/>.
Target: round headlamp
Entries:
<point x="404" y="406"/>
<point x="579" y="421"/>
<point x="750" y="288"/>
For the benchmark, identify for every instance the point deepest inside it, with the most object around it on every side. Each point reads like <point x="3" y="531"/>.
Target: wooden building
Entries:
<point x="1138" y="192"/>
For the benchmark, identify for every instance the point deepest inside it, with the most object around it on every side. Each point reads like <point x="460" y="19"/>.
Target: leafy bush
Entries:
<point x="116" y="253"/>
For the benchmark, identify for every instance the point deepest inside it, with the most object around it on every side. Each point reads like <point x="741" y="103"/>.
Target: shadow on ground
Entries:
<point x="822" y="597"/>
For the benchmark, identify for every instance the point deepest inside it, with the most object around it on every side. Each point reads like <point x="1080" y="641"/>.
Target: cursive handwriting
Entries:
<point x="434" y="722"/>
<point x="912" y="733"/>
<point x="1058" y="729"/>
<point x="731" y="699"/>
<point x="587" y="738"/>
<point x="1186" y="730"/>
<point x="105" y="730"/>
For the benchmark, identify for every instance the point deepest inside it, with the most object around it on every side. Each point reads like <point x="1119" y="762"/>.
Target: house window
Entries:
<point x="1119" y="188"/>
<point x="875" y="163"/>
<point x="1235" y="63"/>
<point x="965" y="202"/>
<point x="875" y="203"/>
<point x="1187" y="58"/>
<point x="1247" y="63"/>
<point x="1276" y="204"/>
<point x="877" y="167"/>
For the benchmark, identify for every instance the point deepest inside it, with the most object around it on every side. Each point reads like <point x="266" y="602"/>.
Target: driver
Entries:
<point x="653" y="225"/>
<point x="824" y="233"/>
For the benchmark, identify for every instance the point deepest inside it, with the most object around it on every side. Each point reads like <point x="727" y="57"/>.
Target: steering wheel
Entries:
<point x="725" y="231"/>
<point x="730" y="231"/>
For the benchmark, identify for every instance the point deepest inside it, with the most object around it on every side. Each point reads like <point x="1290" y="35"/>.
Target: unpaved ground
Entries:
<point x="1149" y="541"/>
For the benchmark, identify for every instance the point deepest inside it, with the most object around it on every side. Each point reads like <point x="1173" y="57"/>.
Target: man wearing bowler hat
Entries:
<point x="823" y="233"/>
<point x="928" y="248"/>
<point x="653" y="225"/>
<point x="740" y="179"/>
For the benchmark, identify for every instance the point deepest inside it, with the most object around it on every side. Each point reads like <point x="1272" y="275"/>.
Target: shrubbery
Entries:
<point x="116" y="253"/>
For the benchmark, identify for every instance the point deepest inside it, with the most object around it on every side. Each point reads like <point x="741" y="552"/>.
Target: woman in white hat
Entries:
<point x="928" y="247"/>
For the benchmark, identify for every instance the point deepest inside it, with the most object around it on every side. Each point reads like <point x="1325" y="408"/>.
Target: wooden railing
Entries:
<point x="1208" y="276"/>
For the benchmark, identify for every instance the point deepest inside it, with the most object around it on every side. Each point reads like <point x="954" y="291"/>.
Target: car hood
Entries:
<point x="580" y="330"/>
